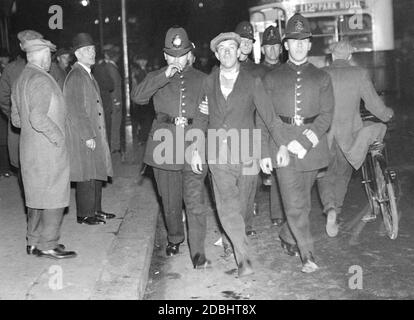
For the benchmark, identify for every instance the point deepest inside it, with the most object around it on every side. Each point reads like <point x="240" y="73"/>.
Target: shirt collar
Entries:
<point x="85" y="67"/>
<point x="297" y="67"/>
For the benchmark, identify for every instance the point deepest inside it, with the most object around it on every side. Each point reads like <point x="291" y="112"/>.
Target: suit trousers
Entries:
<point x="334" y="184"/>
<point x="276" y="207"/>
<point x="43" y="227"/>
<point x="231" y="191"/>
<point x="295" y="188"/>
<point x="174" y="187"/>
<point x="116" y="119"/>
<point x="88" y="198"/>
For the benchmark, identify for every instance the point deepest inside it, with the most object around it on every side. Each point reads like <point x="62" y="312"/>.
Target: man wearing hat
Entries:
<point x="271" y="47"/>
<point x="90" y="159"/>
<point x="112" y="55"/>
<point x="302" y="96"/>
<point x="39" y="109"/>
<point x="59" y="67"/>
<point x="234" y="95"/>
<point x="10" y="74"/>
<point x="177" y="92"/>
<point x="348" y="138"/>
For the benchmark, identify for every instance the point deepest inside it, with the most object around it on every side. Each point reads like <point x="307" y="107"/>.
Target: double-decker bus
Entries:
<point x="367" y="24"/>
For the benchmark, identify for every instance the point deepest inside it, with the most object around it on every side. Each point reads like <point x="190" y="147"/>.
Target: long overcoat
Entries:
<point x="86" y="120"/>
<point x="38" y="108"/>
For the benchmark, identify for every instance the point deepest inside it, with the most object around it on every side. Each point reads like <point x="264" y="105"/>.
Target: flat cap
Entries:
<point x="223" y="37"/>
<point x="342" y="49"/>
<point x="28" y="35"/>
<point x="37" y="44"/>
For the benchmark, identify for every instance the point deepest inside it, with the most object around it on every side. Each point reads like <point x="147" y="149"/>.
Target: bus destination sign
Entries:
<point x="330" y="6"/>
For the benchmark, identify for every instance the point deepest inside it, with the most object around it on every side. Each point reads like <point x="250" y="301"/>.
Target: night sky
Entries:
<point x="148" y="20"/>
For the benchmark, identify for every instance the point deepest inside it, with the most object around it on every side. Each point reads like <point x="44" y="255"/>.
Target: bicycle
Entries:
<point x="380" y="183"/>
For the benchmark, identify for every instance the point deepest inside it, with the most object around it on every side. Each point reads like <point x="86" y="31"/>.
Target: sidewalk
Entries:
<point x="113" y="259"/>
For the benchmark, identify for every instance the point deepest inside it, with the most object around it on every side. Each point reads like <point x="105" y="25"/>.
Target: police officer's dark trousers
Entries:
<point x="174" y="187"/>
<point x="43" y="227"/>
<point x="295" y="188"/>
<point x="276" y="207"/>
<point x="231" y="191"/>
<point x="88" y="198"/>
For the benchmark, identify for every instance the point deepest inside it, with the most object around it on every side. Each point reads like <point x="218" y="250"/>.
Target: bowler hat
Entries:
<point x="61" y="52"/>
<point x="223" y="37"/>
<point x="271" y="36"/>
<point x="245" y="30"/>
<point x="298" y="28"/>
<point x="177" y="43"/>
<point x="82" y="40"/>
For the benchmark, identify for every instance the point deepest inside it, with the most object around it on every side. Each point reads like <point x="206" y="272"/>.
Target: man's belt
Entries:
<point x="178" y="121"/>
<point x="297" y="120"/>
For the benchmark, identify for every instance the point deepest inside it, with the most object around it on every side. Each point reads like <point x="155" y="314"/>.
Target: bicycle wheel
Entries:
<point x="387" y="199"/>
<point x="370" y="186"/>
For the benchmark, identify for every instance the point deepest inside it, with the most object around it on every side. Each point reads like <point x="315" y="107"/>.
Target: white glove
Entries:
<point x="312" y="137"/>
<point x="266" y="165"/>
<point x="196" y="163"/>
<point x="296" y="148"/>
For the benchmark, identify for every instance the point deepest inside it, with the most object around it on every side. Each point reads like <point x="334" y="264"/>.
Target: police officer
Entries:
<point x="177" y="93"/>
<point x="303" y="98"/>
<point x="271" y="47"/>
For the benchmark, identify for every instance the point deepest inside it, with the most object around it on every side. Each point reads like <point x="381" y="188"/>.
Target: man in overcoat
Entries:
<point x="177" y="93"/>
<point x="38" y="108"/>
<point x="90" y="159"/>
<point x="233" y="96"/>
<point x="348" y="138"/>
<point x="303" y="98"/>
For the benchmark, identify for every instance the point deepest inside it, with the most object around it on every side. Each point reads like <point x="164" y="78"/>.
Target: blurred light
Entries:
<point x="85" y="3"/>
<point x="200" y="4"/>
<point x="106" y="20"/>
<point x="119" y="18"/>
<point x="96" y="21"/>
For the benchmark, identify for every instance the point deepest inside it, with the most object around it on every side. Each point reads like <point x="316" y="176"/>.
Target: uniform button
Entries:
<point x="183" y="111"/>
<point x="182" y="89"/>
<point x="298" y="101"/>
<point x="181" y="76"/>
<point x="298" y="94"/>
<point x="298" y="109"/>
<point x="299" y="79"/>
<point x="298" y="72"/>
<point x="182" y="82"/>
<point x="183" y="104"/>
<point x="183" y="96"/>
<point x="298" y="86"/>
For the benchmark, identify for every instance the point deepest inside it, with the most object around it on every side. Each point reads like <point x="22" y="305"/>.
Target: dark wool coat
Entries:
<point x="38" y="108"/>
<point x="86" y="121"/>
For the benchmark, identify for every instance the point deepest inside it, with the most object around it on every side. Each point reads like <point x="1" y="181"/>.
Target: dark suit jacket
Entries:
<point x="237" y="113"/>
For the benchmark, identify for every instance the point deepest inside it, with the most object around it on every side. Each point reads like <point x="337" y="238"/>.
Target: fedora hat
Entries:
<point x="82" y="40"/>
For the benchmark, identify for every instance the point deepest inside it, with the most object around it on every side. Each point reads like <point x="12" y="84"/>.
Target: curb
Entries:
<point x="125" y="270"/>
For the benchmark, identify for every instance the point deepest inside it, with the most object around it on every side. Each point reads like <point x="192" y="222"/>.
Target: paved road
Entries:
<point x="385" y="265"/>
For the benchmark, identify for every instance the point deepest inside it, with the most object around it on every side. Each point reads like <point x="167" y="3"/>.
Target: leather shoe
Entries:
<point x="278" y="221"/>
<point x="251" y="233"/>
<point x="90" y="220"/>
<point x="309" y="264"/>
<point x="172" y="249"/>
<point x="245" y="268"/>
<point x="104" y="215"/>
<point x="30" y="249"/>
<point x="200" y="261"/>
<point x="56" y="253"/>
<point x="290" y="249"/>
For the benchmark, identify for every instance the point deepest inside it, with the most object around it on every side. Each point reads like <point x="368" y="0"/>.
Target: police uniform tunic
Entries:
<point x="175" y="98"/>
<point x="302" y="95"/>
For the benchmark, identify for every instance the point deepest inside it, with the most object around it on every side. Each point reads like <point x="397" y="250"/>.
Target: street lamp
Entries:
<point x="84" y="3"/>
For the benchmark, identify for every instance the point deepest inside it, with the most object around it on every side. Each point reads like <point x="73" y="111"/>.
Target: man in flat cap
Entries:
<point x="39" y="109"/>
<point x="177" y="92"/>
<point x="10" y="74"/>
<point x="234" y="95"/>
<point x="90" y="159"/>
<point x="112" y="54"/>
<point x="348" y="138"/>
<point x="59" y="67"/>
<point x="302" y="96"/>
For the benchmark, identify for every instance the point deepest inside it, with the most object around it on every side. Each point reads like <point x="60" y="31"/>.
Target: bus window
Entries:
<point x="324" y="32"/>
<point x="358" y="30"/>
